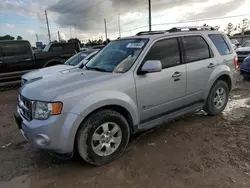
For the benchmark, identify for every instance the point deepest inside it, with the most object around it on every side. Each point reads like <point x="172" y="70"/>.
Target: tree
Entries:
<point x="7" y="37"/>
<point x="19" y="38"/>
<point x="55" y="41"/>
<point x="94" y="42"/>
<point x="243" y="26"/>
<point x="74" y="40"/>
<point x="229" y="29"/>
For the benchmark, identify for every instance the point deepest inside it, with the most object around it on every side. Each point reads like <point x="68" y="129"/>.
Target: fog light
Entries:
<point x="42" y="140"/>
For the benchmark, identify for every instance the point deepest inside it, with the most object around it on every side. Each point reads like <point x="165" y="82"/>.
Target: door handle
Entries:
<point x="27" y="59"/>
<point x="177" y="74"/>
<point x="211" y="65"/>
<point x="1" y="62"/>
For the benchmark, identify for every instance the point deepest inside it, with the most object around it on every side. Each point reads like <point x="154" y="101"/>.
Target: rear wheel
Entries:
<point x="217" y="98"/>
<point x="103" y="137"/>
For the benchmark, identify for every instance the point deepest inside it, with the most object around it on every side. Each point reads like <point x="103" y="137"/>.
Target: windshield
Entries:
<point x="47" y="47"/>
<point x="76" y="59"/>
<point x="247" y="44"/>
<point x="120" y="52"/>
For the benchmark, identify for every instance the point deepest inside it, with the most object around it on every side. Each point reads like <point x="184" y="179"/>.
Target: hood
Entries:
<point x="41" y="73"/>
<point x="47" y="89"/>
<point x="243" y="49"/>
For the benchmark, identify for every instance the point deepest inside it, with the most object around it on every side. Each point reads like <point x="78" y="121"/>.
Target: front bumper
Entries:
<point x="56" y="134"/>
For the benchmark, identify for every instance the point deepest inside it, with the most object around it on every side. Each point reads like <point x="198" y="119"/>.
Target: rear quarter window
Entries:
<point x="56" y="48"/>
<point x="69" y="48"/>
<point x="221" y="44"/>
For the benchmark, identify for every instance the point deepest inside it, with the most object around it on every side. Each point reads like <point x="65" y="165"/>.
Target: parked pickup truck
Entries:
<point x="18" y="58"/>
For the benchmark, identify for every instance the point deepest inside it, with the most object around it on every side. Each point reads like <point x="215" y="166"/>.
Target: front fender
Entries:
<point x="104" y="98"/>
<point x="219" y="71"/>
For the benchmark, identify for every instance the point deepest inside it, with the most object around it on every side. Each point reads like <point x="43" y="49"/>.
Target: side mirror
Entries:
<point x="151" y="66"/>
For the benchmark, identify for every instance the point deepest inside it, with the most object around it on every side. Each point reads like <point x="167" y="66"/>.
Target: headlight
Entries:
<point x="43" y="110"/>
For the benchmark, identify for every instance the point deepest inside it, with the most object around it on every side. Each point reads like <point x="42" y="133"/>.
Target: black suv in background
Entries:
<point x="18" y="58"/>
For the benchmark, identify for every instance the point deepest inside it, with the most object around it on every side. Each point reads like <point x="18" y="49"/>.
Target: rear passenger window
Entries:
<point x="167" y="51"/>
<point x="69" y="47"/>
<point x="56" y="48"/>
<point x="15" y="49"/>
<point x="196" y="48"/>
<point x="221" y="44"/>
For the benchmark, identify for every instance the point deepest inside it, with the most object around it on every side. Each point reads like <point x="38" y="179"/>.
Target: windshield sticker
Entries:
<point x="135" y="45"/>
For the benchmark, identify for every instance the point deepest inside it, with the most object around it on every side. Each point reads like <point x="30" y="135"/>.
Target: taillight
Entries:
<point x="236" y="66"/>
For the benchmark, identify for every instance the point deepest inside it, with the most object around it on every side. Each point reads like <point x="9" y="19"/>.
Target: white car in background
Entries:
<point x="74" y="64"/>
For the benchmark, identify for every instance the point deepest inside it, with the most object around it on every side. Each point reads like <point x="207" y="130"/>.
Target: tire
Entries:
<point x="93" y="125"/>
<point x="211" y="107"/>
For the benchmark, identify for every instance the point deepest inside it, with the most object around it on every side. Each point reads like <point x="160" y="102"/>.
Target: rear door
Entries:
<point x="200" y="63"/>
<point x="18" y="57"/>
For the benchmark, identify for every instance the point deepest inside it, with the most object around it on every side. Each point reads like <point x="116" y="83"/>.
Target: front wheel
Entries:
<point x="103" y="137"/>
<point x="217" y="98"/>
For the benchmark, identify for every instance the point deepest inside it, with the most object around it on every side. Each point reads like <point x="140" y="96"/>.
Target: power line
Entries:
<point x="206" y="19"/>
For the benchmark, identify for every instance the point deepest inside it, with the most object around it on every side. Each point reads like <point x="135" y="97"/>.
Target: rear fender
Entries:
<point x="219" y="71"/>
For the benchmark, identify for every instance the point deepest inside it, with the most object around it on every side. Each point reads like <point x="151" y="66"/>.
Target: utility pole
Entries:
<point x="70" y="34"/>
<point x="119" y="25"/>
<point x="75" y="31"/>
<point x="59" y="38"/>
<point x="37" y="40"/>
<point x="149" y="15"/>
<point x="48" y="25"/>
<point x="105" y="25"/>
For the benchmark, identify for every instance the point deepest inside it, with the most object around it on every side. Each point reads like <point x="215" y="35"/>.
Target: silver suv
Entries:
<point x="133" y="84"/>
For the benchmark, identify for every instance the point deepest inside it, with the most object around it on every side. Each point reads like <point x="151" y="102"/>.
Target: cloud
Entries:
<point x="31" y="32"/>
<point x="10" y="25"/>
<point x="216" y="10"/>
<point x="88" y="15"/>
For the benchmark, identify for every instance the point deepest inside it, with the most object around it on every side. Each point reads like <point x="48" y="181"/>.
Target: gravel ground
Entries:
<point x="196" y="151"/>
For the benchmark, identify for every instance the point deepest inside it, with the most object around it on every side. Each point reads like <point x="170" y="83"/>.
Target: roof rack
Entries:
<point x="177" y="29"/>
<point x="151" y="32"/>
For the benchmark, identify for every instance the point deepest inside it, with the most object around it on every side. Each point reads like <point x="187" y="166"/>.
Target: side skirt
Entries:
<point x="168" y="117"/>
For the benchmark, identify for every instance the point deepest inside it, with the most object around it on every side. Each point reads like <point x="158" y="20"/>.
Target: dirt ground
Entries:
<point x="196" y="151"/>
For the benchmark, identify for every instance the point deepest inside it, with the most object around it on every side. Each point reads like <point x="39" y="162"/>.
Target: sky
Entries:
<point x="84" y="19"/>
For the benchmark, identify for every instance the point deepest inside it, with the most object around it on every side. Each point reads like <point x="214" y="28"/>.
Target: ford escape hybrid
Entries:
<point x="133" y="84"/>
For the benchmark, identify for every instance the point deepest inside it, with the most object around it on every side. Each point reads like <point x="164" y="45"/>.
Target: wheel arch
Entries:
<point x="223" y="75"/>
<point x="56" y="61"/>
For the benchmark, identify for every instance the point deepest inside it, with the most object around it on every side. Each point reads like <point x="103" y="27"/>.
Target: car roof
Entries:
<point x="176" y="31"/>
<point x="172" y="34"/>
<point x="12" y="41"/>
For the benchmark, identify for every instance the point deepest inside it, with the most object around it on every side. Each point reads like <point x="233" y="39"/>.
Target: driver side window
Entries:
<point x="167" y="51"/>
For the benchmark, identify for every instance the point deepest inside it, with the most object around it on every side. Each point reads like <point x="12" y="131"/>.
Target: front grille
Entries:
<point x="243" y="53"/>
<point x="25" y="107"/>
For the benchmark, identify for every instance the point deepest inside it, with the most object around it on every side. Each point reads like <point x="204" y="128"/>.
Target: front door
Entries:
<point x="162" y="92"/>
<point x="18" y="57"/>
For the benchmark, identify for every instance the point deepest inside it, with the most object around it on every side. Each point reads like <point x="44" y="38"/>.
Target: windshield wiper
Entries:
<point x="96" y="68"/>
